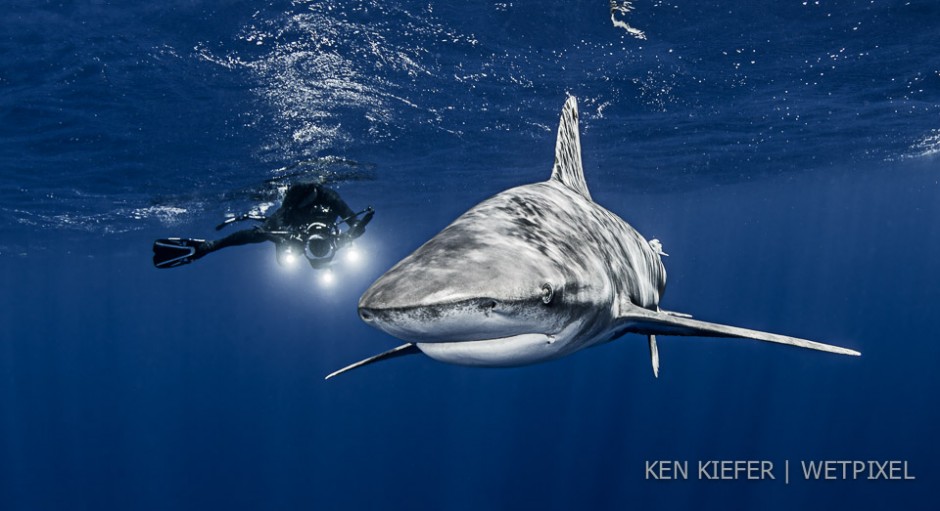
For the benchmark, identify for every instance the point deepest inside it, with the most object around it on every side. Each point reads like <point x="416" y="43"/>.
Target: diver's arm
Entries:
<point x="358" y="227"/>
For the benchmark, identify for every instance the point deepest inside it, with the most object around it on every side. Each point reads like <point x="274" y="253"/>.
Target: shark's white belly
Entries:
<point x="506" y="352"/>
<point x="517" y="350"/>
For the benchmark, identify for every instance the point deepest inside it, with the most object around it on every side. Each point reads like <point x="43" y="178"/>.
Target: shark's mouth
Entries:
<point x="500" y="352"/>
<point x="472" y="320"/>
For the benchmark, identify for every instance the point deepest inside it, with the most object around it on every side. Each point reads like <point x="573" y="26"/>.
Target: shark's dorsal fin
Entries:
<point x="567" y="169"/>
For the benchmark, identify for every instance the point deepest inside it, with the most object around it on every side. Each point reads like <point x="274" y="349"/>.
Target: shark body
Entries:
<point x="534" y="273"/>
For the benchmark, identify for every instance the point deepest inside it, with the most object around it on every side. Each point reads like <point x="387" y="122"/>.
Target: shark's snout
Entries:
<point x="463" y="320"/>
<point x="379" y="317"/>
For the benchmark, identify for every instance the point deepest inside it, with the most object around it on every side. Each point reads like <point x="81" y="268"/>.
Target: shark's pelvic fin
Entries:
<point x="648" y="322"/>
<point x="404" y="349"/>
<point x="567" y="169"/>
<point x="654" y="355"/>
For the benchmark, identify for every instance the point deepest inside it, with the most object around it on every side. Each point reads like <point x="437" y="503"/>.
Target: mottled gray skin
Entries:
<point x="484" y="277"/>
<point x="534" y="273"/>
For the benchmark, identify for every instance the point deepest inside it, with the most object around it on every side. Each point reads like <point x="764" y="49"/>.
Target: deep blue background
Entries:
<point x="785" y="154"/>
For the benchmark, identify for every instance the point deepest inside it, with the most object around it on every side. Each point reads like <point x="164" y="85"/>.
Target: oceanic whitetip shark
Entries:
<point x="534" y="273"/>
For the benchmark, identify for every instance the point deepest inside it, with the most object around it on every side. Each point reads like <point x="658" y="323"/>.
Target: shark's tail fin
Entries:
<point x="652" y="323"/>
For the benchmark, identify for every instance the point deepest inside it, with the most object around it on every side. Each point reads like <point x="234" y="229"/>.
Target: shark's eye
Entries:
<point x="548" y="292"/>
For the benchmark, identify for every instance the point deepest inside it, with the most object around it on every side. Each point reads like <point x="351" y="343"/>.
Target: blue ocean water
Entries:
<point x="786" y="153"/>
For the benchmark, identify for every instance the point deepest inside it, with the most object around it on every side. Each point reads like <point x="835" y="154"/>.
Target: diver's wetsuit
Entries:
<point x="304" y="203"/>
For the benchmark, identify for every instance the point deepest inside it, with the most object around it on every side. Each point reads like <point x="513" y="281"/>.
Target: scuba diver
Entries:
<point x="306" y="224"/>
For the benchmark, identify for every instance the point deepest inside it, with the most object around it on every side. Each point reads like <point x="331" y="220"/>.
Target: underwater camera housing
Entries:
<point x="320" y="245"/>
<point x="317" y="242"/>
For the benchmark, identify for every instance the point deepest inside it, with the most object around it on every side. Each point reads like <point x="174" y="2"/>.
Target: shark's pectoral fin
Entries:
<point x="404" y="349"/>
<point x="676" y="314"/>
<point x="643" y="321"/>
<point x="654" y="354"/>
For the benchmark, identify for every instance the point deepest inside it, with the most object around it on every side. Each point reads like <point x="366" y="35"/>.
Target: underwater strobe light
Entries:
<point x="287" y="255"/>
<point x="353" y="255"/>
<point x="327" y="278"/>
<point x="289" y="258"/>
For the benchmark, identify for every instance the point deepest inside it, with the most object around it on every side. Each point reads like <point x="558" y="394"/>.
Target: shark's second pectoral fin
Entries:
<point x="653" y="323"/>
<point x="404" y="349"/>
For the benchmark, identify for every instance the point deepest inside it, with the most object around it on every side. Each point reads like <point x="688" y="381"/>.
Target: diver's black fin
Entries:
<point x="173" y="252"/>
<point x="404" y="349"/>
